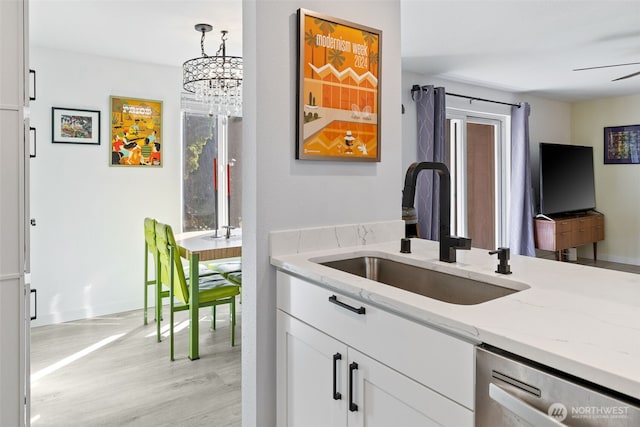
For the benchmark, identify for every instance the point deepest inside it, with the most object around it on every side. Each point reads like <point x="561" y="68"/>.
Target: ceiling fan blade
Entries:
<point x="605" y="66"/>
<point x="627" y="76"/>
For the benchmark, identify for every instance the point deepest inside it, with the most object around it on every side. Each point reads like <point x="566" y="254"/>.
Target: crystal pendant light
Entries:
<point x="215" y="80"/>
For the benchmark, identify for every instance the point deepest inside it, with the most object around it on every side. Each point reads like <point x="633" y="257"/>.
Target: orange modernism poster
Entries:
<point x="338" y="89"/>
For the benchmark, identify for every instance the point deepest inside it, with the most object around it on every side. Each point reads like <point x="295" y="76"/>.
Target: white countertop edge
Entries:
<point x="537" y="338"/>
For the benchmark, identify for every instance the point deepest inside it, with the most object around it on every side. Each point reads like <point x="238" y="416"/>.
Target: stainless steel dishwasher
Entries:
<point x="512" y="391"/>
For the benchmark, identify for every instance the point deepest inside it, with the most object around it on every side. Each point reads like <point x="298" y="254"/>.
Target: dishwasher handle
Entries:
<point x="532" y="415"/>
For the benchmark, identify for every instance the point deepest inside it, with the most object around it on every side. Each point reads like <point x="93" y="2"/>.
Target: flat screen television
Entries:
<point x="567" y="183"/>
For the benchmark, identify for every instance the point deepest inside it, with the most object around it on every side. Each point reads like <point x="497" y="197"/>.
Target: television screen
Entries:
<point x="567" y="181"/>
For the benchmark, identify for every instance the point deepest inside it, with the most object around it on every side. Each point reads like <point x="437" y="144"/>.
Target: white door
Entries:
<point x="383" y="397"/>
<point x="479" y="161"/>
<point x="306" y="374"/>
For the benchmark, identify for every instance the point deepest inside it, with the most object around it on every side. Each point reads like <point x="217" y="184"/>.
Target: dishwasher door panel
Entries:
<point x="512" y="392"/>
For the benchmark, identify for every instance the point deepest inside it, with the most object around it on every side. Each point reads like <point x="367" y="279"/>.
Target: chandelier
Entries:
<point x="215" y="80"/>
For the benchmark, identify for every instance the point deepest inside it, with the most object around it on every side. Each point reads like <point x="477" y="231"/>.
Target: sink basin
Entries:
<point x="429" y="283"/>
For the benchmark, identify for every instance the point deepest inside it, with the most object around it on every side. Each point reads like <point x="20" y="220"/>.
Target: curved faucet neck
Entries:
<point x="409" y="192"/>
<point x="448" y="243"/>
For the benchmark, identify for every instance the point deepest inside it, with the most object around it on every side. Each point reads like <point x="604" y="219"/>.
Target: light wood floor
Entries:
<point x="126" y="378"/>
<point x="629" y="268"/>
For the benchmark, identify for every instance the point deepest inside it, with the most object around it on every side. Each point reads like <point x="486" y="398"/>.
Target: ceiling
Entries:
<point x="151" y="31"/>
<point x="518" y="46"/>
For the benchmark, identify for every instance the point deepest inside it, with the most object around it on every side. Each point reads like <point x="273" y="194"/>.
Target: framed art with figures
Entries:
<point x="136" y="132"/>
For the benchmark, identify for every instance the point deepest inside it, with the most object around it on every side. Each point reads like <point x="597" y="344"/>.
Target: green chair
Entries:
<point x="214" y="289"/>
<point x="230" y="269"/>
<point x="150" y="248"/>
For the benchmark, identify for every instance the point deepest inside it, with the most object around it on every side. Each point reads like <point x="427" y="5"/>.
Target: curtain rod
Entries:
<point x="471" y="98"/>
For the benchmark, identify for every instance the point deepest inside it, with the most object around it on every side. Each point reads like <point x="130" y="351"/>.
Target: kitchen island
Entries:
<point x="581" y="320"/>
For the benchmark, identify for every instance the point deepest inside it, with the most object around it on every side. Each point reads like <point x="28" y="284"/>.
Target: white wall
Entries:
<point x="88" y="246"/>
<point x="288" y="193"/>
<point x="617" y="190"/>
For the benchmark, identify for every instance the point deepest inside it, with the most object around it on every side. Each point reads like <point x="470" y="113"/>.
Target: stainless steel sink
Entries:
<point x="429" y="283"/>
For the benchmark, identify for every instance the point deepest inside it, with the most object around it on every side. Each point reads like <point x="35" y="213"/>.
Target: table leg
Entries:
<point x="595" y="251"/>
<point x="194" y="303"/>
<point x="158" y="297"/>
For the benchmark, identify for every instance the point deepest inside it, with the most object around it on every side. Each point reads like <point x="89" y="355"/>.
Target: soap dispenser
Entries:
<point x="503" y="258"/>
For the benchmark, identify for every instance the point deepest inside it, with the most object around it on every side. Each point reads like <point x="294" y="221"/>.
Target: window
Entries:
<point x="478" y="161"/>
<point x="211" y="169"/>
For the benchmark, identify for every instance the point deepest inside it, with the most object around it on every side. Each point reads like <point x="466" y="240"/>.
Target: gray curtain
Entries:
<point x="431" y="148"/>
<point x="521" y="212"/>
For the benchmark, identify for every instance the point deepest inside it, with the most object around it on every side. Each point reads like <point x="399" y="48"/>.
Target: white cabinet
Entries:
<point x="14" y="332"/>
<point x="306" y="362"/>
<point x="387" y="370"/>
<point x="386" y="398"/>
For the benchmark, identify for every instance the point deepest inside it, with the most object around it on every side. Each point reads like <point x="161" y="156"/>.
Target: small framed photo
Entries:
<point x="73" y="126"/>
<point x="622" y="144"/>
<point x="338" y="89"/>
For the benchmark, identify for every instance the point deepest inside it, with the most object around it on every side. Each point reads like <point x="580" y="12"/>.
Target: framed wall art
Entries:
<point x="136" y="132"/>
<point x="73" y="126"/>
<point x="622" y="144"/>
<point x="338" y="89"/>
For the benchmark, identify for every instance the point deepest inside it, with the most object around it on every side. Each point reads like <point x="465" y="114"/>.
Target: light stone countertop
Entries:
<point x="578" y="319"/>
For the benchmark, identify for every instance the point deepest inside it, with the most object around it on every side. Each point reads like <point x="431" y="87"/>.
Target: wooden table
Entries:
<point x="199" y="246"/>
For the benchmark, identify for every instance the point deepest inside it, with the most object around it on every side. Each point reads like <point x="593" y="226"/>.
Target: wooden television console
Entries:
<point x="569" y="231"/>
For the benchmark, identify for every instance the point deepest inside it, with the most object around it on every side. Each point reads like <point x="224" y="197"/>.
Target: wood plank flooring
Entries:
<point x="629" y="268"/>
<point x="111" y="371"/>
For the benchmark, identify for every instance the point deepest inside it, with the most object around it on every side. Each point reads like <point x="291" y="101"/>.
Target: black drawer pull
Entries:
<point x="35" y="304"/>
<point x="334" y="299"/>
<point x="352" y="406"/>
<point x="336" y="394"/>
<point x="35" y="142"/>
<point x="33" y="98"/>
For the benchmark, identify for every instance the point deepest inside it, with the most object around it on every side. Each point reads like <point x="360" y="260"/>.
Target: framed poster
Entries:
<point x="73" y="126"/>
<point x="136" y="132"/>
<point x="622" y="144"/>
<point x="338" y="89"/>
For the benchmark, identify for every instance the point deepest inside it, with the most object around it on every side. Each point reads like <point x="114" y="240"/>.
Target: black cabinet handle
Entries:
<point x="35" y="304"/>
<point x="334" y="299"/>
<point x="336" y="394"/>
<point x="35" y="142"/>
<point x="352" y="406"/>
<point x="33" y="98"/>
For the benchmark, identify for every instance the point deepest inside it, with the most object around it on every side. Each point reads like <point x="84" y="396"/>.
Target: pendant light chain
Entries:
<point x="202" y="44"/>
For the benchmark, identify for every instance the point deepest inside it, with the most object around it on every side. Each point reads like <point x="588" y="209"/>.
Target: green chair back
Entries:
<point x="150" y="235"/>
<point x="164" y="240"/>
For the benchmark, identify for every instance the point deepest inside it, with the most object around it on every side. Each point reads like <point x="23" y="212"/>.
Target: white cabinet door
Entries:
<point x="11" y="49"/>
<point x="308" y="363"/>
<point x="383" y="397"/>
<point x="365" y="393"/>
<point x="14" y="370"/>
<point x="416" y="350"/>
